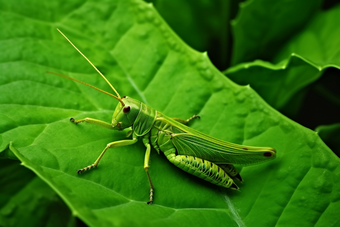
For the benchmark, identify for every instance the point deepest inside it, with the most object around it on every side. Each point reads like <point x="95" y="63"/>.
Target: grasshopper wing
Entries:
<point x="191" y="142"/>
<point x="219" y="151"/>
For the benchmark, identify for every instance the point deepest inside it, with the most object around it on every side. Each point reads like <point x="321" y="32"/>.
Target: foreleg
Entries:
<point x="93" y="121"/>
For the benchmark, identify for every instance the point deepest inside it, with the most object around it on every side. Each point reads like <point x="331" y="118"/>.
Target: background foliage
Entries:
<point x="287" y="51"/>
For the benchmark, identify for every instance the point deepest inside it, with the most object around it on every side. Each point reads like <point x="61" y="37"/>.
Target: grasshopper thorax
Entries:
<point x="125" y="116"/>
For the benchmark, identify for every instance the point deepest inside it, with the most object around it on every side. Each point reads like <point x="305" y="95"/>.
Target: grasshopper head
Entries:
<point x="124" y="116"/>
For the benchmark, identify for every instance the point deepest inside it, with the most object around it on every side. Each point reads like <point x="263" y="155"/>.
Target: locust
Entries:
<point x="194" y="152"/>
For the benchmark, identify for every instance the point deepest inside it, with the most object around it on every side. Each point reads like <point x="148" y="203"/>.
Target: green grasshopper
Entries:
<point x="192" y="151"/>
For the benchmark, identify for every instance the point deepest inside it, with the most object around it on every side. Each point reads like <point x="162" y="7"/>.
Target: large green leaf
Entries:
<point x="144" y="59"/>
<point x="300" y="62"/>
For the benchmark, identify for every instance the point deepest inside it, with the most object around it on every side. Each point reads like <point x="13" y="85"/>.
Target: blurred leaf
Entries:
<point x="25" y="200"/>
<point x="12" y="183"/>
<point x="202" y="24"/>
<point x="144" y="59"/>
<point x="6" y="153"/>
<point x="313" y="49"/>
<point x="187" y="20"/>
<point x="262" y="26"/>
<point x="330" y="134"/>
<point x="320" y="102"/>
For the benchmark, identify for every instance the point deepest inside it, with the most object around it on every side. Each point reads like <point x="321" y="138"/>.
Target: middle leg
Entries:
<point x="146" y="166"/>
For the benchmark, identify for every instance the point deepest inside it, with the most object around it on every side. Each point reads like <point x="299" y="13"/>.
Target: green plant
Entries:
<point x="143" y="58"/>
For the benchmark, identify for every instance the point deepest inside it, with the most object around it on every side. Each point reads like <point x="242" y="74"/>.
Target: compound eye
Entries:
<point x="126" y="109"/>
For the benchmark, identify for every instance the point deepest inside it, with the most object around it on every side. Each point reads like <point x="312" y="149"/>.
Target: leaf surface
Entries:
<point x="143" y="58"/>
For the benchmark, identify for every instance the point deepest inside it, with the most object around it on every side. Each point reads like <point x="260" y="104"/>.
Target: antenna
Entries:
<point x="118" y="96"/>
<point x="79" y="81"/>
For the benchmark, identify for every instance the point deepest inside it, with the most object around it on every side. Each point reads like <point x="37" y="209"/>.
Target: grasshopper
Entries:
<point x="194" y="152"/>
